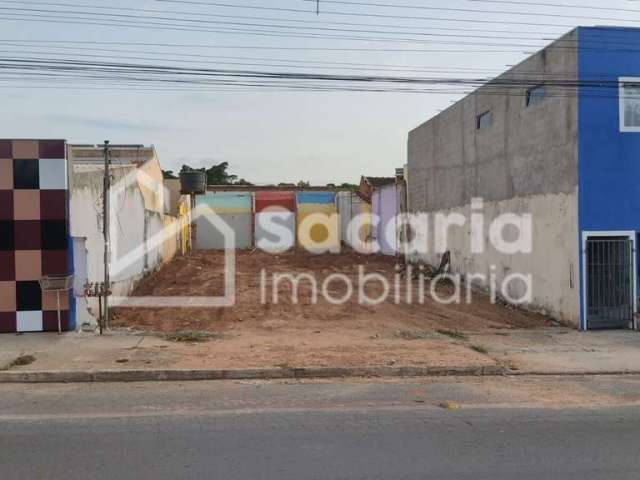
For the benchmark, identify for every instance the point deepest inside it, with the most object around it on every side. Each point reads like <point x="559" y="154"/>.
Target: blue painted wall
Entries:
<point x="316" y="197"/>
<point x="608" y="160"/>
<point x="228" y="200"/>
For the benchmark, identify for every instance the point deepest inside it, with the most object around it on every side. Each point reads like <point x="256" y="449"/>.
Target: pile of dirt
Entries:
<point x="256" y="313"/>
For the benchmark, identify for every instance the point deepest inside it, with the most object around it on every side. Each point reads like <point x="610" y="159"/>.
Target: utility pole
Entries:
<point x="105" y="230"/>
<point x="317" y="7"/>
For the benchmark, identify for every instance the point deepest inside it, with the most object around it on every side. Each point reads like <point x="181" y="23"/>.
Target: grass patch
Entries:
<point x="189" y="336"/>
<point x="19" y="362"/>
<point x="453" y="334"/>
<point x="413" y="335"/>
<point x="479" y="349"/>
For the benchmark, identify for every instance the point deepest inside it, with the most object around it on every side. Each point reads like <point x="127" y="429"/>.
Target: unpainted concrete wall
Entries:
<point x="525" y="160"/>
<point x="525" y="151"/>
<point x="553" y="265"/>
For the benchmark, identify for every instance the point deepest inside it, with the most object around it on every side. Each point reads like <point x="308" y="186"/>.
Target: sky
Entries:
<point x="268" y="135"/>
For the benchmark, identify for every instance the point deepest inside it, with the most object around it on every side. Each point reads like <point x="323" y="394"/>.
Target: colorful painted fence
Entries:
<point x="235" y="209"/>
<point x="34" y="239"/>
<point x="275" y="220"/>
<point x="355" y="212"/>
<point x="317" y="221"/>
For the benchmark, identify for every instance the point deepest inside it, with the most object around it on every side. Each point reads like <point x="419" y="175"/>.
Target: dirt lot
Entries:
<point x="253" y="333"/>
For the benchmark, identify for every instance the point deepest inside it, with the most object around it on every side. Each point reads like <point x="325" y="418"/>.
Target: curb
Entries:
<point x="585" y="373"/>
<point x="243" y="374"/>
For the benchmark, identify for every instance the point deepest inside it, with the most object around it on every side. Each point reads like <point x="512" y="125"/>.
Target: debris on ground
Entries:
<point x="479" y="349"/>
<point x="453" y="334"/>
<point x="24" y="359"/>
<point x="449" y="405"/>
<point x="414" y="334"/>
<point x="189" y="336"/>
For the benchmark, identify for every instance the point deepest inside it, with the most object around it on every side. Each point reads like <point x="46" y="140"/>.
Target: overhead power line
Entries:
<point x="500" y="12"/>
<point x="559" y="5"/>
<point x="64" y="14"/>
<point x="312" y="21"/>
<point x="237" y="31"/>
<point x="139" y="21"/>
<point x="153" y="72"/>
<point x="284" y="48"/>
<point x="145" y="22"/>
<point x="146" y="25"/>
<point x="413" y="17"/>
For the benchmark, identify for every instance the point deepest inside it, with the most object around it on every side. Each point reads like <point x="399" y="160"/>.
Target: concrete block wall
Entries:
<point x="528" y="154"/>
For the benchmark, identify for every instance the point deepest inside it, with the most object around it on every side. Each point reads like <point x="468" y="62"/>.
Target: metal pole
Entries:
<point x="59" y="322"/>
<point x="100" y="318"/>
<point x="105" y="230"/>
<point x="192" y="224"/>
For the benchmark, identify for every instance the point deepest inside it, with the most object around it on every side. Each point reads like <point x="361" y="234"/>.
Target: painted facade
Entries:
<point x="275" y="212"/>
<point x="608" y="144"/>
<point x="234" y="208"/>
<point x="34" y="234"/>
<point x="350" y="207"/>
<point x="292" y="213"/>
<point x="317" y="221"/>
<point x="384" y="204"/>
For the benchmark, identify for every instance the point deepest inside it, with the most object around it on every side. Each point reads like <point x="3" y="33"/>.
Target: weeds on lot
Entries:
<point x="479" y="349"/>
<point x="449" y="405"/>
<point x="19" y="361"/>
<point x="191" y="336"/>
<point x="453" y="334"/>
<point x="413" y="335"/>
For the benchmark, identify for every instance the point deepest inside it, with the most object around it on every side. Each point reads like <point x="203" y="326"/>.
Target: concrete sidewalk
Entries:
<point x="122" y="356"/>
<point x="564" y="351"/>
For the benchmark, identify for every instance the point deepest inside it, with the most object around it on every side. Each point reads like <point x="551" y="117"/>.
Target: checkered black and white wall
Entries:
<point x="34" y="233"/>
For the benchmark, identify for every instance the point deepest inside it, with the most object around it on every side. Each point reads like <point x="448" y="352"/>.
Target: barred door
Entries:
<point x="609" y="271"/>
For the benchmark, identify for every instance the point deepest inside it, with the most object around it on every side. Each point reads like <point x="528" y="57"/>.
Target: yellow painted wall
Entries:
<point x="152" y="185"/>
<point x="169" y="247"/>
<point x="365" y="232"/>
<point x="324" y="231"/>
<point x="185" y="230"/>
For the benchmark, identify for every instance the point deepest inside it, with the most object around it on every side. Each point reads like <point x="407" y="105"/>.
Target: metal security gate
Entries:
<point x="609" y="282"/>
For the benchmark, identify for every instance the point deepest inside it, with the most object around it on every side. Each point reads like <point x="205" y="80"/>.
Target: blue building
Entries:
<point x="609" y="173"/>
<point x="556" y="137"/>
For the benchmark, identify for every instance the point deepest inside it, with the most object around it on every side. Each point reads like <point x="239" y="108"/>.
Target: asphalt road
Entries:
<point x="309" y="431"/>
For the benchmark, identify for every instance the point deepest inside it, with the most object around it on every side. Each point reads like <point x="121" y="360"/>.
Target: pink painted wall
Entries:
<point x="384" y="203"/>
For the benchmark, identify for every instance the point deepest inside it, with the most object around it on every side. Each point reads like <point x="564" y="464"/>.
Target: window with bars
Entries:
<point x="629" y="93"/>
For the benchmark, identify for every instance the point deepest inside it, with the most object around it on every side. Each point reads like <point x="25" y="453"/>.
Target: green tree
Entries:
<point x="218" y="175"/>
<point x="350" y="186"/>
<point x="242" y="181"/>
<point x="303" y="183"/>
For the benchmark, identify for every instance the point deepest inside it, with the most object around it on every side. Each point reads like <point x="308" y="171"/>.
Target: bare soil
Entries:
<point x="263" y="334"/>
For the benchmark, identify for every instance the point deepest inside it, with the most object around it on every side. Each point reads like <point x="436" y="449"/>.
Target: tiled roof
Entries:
<point x="380" y="181"/>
